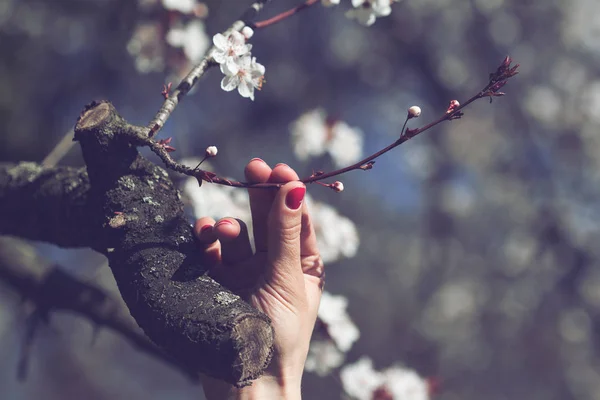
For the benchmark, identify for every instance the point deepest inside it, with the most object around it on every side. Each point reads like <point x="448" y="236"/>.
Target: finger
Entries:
<point x="207" y="241"/>
<point x="257" y="171"/>
<point x="309" y="251"/>
<point x="282" y="173"/>
<point x="235" y="243"/>
<point x="311" y="261"/>
<point x="242" y="276"/>
<point x="285" y="226"/>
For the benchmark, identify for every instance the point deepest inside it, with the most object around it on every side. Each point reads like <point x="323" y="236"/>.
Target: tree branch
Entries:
<point x="49" y="204"/>
<point x="127" y="208"/>
<point x="284" y="15"/>
<point x="51" y="289"/>
<point x="172" y="99"/>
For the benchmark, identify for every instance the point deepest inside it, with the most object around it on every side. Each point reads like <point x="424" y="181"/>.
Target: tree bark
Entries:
<point x="127" y="208"/>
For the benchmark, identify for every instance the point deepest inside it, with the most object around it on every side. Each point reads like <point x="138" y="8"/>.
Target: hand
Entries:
<point x="283" y="279"/>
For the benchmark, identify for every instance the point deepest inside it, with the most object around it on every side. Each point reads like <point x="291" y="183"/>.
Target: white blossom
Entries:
<point x="183" y="6"/>
<point x="192" y="38"/>
<point x="245" y="74"/>
<point x="312" y="136"/>
<point x="381" y="8"/>
<point x="345" y="145"/>
<point x="341" y="329"/>
<point x="367" y="11"/>
<point x="323" y="357"/>
<point x="309" y="134"/>
<point x="228" y="49"/>
<point x="337" y="235"/>
<point x="405" y="384"/>
<point x="360" y="381"/>
<point x="147" y="47"/>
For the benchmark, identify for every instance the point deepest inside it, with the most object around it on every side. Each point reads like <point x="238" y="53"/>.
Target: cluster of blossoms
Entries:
<point x="365" y="11"/>
<point x="313" y="134"/>
<point x="240" y="68"/>
<point x="176" y="42"/>
<point x="334" y="336"/>
<point x="362" y="382"/>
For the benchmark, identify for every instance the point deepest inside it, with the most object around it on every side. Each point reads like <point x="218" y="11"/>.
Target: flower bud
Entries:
<point x="211" y="151"/>
<point x="414" y="112"/>
<point x="454" y="104"/>
<point x="247" y="32"/>
<point x="337" y="186"/>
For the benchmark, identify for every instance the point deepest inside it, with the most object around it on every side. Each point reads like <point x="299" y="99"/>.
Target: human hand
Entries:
<point x="283" y="279"/>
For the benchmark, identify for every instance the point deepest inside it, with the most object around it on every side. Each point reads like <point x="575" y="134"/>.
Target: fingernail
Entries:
<point x="258" y="159"/>
<point x="205" y="228"/>
<point x="294" y="198"/>
<point x="281" y="165"/>
<point x="223" y="222"/>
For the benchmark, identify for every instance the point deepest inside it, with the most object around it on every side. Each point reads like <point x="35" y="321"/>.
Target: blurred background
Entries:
<point x="478" y="258"/>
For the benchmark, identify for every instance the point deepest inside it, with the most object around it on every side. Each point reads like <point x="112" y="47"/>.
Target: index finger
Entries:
<point x="257" y="171"/>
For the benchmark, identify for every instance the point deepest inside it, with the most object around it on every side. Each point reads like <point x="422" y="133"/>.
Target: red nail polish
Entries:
<point x="257" y="159"/>
<point x="205" y="228"/>
<point x="294" y="198"/>
<point x="223" y="222"/>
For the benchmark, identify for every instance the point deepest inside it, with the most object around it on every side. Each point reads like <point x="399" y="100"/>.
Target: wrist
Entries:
<point x="267" y="387"/>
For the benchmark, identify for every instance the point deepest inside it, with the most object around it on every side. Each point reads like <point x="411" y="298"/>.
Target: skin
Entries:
<point x="283" y="278"/>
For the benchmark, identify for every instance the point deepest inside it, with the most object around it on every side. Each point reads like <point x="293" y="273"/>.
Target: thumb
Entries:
<point x="285" y="225"/>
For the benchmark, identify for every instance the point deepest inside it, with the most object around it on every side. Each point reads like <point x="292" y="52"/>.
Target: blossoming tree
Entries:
<point x="194" y="323"/>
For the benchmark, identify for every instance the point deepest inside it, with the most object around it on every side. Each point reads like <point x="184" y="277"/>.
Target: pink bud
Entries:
<point x="454" y="104"/>
<point x="337" y="186"/>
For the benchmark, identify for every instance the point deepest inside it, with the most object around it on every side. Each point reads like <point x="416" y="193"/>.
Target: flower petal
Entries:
<point x="246" y="89"/>
<point x="258" y="69"/>
<point x="237" y="38"/>
<point x="219" y="56"/>
<point x="240" y="50"/>
<point x="229" y="83"/>
<point x="220" y="41"/>
<point x="230" y="67"/>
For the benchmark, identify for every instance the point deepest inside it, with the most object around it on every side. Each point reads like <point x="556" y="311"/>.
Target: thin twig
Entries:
<point x="496" y="81"/>
<point x="173" y="98"/>
<point x="283" y="15"/>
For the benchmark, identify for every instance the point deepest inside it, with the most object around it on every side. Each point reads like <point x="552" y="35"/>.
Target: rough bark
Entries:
<point x="127" y="208"/>
<point x="50" y="289"/>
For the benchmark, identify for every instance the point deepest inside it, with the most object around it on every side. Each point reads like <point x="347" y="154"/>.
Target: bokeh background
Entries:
<point x="479" y="254"/>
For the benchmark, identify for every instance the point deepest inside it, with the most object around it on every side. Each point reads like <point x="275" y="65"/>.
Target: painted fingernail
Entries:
<point x="294" y="198"/>
<point x="281" y="165"/>
<point x="205" y="228"/>
<point x="257" y="159"/>
<point x="223" y="222"/>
